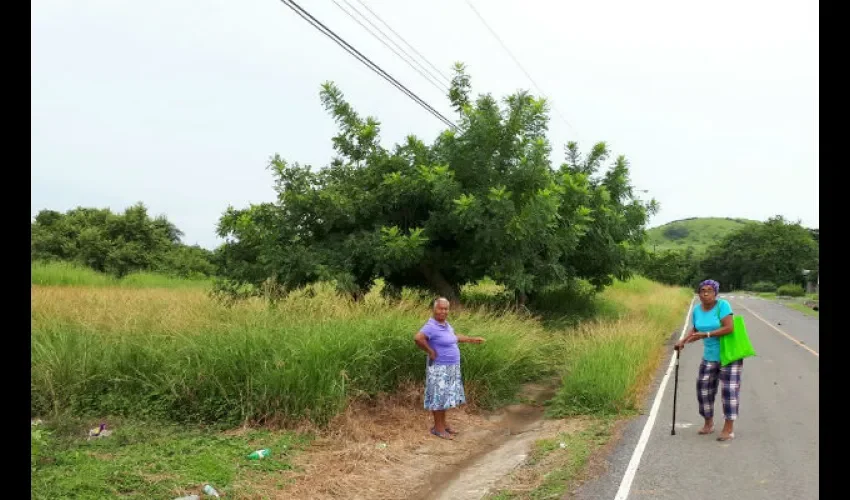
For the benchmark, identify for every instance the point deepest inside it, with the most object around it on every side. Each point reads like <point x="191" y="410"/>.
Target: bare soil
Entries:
<point x="383" y="450"/>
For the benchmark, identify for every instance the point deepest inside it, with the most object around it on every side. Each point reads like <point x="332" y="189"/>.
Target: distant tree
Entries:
<point x="483" y="200"/>
<point x="676" y="233"/>
<point x="777" y="251"/>
<point x="672" y="267"/>
<point x="115" y="243"/>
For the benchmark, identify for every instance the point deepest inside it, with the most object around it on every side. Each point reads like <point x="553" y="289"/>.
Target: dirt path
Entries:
<point x="385" y="452"/>
<point x="518" y="426"/>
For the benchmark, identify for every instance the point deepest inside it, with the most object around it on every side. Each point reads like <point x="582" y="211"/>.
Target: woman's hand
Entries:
<point x="432" y="355"/>
<point x="477" y="340"/>
<point x="692" y="337"/>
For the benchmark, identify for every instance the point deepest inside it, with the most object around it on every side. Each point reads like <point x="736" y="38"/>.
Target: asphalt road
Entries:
<point x="775" y="451"/>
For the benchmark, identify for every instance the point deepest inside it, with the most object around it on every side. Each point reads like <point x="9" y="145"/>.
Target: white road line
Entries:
<point x="631" y="470"/>
<point x="792" y="339"/>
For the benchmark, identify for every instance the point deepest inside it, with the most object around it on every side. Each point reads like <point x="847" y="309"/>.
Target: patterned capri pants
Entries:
<point x="729" y="376"/>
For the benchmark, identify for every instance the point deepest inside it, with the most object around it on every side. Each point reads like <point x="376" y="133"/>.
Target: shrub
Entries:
<point x="676" y="233"/>
<point x="763" y="286"/>
<point x="790" y="290"/>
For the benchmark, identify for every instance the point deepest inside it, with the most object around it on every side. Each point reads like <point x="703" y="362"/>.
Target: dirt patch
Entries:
<point x="383" y="450"/>
<point x="532" y="473"/>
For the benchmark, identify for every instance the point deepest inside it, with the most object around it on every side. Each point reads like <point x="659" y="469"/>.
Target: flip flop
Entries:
<point x="449" y="430"/>
<point x="443" y="435"/>
<point x="702" y="432"/>
<point x="730" y="437"/>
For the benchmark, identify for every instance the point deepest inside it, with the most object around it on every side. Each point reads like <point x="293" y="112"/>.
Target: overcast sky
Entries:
<point x="180" y="103"/>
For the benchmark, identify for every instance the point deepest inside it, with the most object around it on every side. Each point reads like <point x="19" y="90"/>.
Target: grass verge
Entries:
<point x="557" y="463"/>
<point x="145" y="460"/>
<point x="803" y="309"/>
<point x="609" y="362"/>
<point x="796" y="304"/>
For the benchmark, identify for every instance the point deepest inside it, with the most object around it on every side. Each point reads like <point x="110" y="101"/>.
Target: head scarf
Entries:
<point x="712" y="284"/>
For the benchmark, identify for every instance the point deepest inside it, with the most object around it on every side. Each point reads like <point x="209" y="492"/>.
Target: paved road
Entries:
<point x="775" y="453"/>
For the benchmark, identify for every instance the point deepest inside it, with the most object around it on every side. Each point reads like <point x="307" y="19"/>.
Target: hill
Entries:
<point x="696" y="232"/>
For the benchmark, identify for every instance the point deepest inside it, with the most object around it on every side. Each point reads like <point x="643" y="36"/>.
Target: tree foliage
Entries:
<point x="116" y="243"/>
<point x="482" y="200"/>
<point x="672" y="267"/>
<point x="777" y="251"/>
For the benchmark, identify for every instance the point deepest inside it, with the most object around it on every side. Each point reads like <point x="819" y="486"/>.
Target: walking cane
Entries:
<point x="675" y="392"/>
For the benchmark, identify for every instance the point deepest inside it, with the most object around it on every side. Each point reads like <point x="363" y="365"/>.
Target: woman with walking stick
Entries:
<point x="712" y="318"/>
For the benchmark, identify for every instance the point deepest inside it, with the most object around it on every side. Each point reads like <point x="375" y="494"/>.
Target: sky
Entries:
<point x="179" y="104"/>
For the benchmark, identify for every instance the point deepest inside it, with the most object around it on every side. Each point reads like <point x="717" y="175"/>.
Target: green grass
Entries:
<point x="700" y="232"/>
<point x="608" y="363"/>
<point x="70" y="274"/>
<point x="151" y="461"/>
<point x="803" y="309"/>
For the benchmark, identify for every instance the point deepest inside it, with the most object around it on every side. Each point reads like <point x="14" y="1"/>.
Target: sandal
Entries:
<point x="444" y="435"/>
<point x="703" y="432"/>
<point x="451" y="431"/>
<point x="728" y="437"/>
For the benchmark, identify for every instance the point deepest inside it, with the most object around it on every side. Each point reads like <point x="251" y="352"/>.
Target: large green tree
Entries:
<point x="481" y="200"/>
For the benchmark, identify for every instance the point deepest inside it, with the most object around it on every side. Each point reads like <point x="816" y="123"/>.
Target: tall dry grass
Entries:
<point x="175" y="353"/>
<point x="609" y="362"/>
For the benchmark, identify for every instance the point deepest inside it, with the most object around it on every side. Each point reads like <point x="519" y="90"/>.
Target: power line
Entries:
<point x="405" y="41"/>
<point x="365" y="60"/>
<point x="496" y="36"/>
<point x="430" y="78"/>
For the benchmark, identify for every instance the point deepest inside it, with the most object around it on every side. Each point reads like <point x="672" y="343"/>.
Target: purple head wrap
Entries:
<point x="712" y="284"/>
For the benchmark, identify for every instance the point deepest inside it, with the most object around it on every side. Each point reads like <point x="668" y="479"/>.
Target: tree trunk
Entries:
<point x="438" y="283"/>
<point x="521" y="298"/>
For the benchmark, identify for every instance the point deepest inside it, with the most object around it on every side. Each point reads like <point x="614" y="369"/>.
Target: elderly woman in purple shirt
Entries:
<point x="443" y="383"/>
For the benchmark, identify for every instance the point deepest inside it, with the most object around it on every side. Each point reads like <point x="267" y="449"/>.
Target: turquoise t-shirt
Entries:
<point x="707" y="321"/>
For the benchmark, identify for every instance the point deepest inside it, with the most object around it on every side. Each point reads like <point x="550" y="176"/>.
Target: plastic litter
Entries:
<point x="257" y="455"/>
<point x="99" y="432"/>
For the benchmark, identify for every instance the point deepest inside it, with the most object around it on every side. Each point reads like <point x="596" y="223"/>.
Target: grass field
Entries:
<point x="699" y="233"/>
<point x="68" y="274"/>
<point x="169" y="357"/>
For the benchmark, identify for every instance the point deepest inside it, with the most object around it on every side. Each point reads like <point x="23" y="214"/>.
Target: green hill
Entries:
<point x="696" y="232"/>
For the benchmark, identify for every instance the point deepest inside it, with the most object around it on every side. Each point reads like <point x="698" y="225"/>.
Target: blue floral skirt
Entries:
<point x="443" y="387"/>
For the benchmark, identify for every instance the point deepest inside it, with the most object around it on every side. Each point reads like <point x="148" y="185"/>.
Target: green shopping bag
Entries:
<point x="735" y="345"/>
